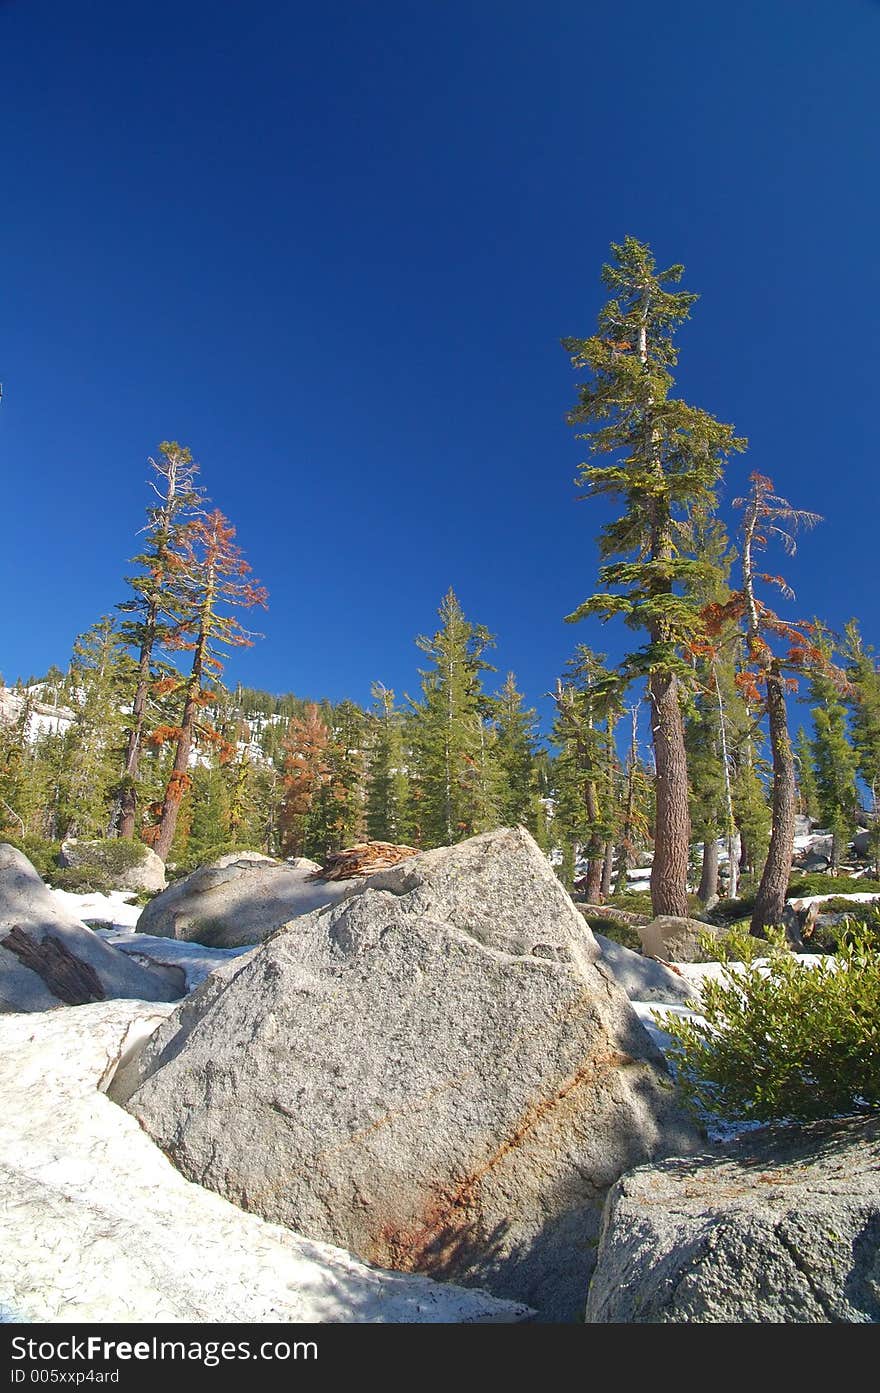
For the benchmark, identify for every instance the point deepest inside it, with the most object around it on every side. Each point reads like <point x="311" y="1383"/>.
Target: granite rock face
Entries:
<point x="783" y="1227"/>
<point x="434" y="1074"/>
<point x="237" y="901"/>
<point x="99" y="1227"/>
<point x="49" y="958"/>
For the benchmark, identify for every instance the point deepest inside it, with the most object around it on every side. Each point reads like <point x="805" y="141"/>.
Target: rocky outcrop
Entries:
<point x="49" y="958"/>
<point x="643" y="979"/>
<point x="434" y="1074"/>
<point x="146" y="875"/>
<point x="782" y="1228"/>
<point x="673" y="939"/>
<point x="237" y="900"/>
<point x="99" y="1227"/>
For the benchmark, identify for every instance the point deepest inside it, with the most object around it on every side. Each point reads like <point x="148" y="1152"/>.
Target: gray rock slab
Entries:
<point x="433" y="1074"/>
<point x="782" y="1227"/>
<point x="27" y="904"/>
<point x="233" y="903"/>
<point x="643" y="979"/>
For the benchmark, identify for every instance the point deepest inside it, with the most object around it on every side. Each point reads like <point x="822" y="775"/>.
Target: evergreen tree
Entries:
<point x="209" y="830"/>
<point x="582" y="816"/>
<point x="518" y="802"/>
<point x="98" y="683"/>
<point x="863" y="676"/>
<point x="834" y="759"/>
<point x="767" y="515"/>
<point x="306" y="770"/>
<point x="154" y="608"/>
<point x="457" y="794"/>
<point x="667" y="458"/>
<point x="214" y="579"/>
<point x="337" y="811"/>
<point x="808" y="794"/>
<point x="387" y="808"/>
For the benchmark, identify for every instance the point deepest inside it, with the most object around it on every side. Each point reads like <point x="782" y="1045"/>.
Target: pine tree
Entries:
<point x="767" y="515"/>
<point x="456" y="790"/>
<point x="667" y="459"/>
<point x="387" y="808"/>
<point x="98" y="683"/>
<point x="863" y="677"/>
<point x="584" y="818"/>
<point x="154" y="607"/>
<point x="834" y="759"/>
<point x="306" y="770"/>
<point x="337" y="811"/>
<point x="209" y="830"/>
<point x="808" y="794"/>
<point x="515" y="739"/>
<point x="214" y="579"/>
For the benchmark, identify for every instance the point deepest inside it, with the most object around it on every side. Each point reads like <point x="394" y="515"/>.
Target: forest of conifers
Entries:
<point x="152" y="745"/>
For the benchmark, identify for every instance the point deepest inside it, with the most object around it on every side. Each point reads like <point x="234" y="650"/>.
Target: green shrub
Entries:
<point x="81" y="880"/>
<point x="731" y="911"/>
<point x="617" y="930"/>
<point x="788" y="1042"/>
<point x="114" y="856"/>
<point x="42" y="854"/>
<point x="826" y="938"/>
<point x="204" y="858"/>
<point x="818" y="884"/>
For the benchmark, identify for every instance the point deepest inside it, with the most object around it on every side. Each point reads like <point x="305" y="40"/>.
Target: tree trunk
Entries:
<point x="772" y="891"/>
<point x="595" y="846"/>
<point x="708" y="891"/>
<point x="672" y="829"/>
<point x="128" y="794"/>
<point x="607" y="870"/>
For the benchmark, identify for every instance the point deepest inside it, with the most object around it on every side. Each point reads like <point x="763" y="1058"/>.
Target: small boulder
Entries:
<point x="781" y="1228"/>
<point x="434" y="1074"/>
<point x="129" y="865"/>
<point x="674" y="939"/>
<point x="236" y="901"/>
<point x="49" y="958"/>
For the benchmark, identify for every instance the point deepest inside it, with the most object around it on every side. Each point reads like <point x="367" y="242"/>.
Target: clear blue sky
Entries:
<point x="333" y="248"/>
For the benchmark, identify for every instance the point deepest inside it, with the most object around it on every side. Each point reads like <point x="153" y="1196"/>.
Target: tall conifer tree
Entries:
<point x="154" y="608"/>
<point x="666" y="459"/>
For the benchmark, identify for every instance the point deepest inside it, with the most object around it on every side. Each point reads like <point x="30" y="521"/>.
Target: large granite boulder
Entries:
<point x="238" y="900"/>
<point x="434" y="1074"/>
<point x="784" y="1227"/>
<point x="128" y="865"/>
<point x="49" y="958"/>
<point x="98" y="1227"/>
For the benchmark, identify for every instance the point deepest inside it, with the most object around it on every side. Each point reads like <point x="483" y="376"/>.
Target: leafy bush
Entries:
<point x="81" y="880"/>
<point x="786" y="1042"/>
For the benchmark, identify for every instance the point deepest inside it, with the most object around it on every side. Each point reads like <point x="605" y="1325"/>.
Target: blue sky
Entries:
<point x="333" y="249"/>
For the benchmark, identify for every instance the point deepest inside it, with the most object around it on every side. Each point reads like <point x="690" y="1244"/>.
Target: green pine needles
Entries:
<point x="665" y="457"/>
